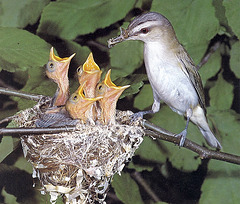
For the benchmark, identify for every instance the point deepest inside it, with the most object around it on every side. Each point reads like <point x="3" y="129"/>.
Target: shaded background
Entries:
<point x="160" y="171"/>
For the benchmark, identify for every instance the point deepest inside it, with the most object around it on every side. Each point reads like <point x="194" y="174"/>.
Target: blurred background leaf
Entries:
<point x="19" y="14"/>
<point x="76" y="16"/>
<point x="72" y="26"/>
<point x="21" y="50"/>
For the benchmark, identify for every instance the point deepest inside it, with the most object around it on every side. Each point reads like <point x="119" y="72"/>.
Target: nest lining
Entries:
<point x="80" y="164"/>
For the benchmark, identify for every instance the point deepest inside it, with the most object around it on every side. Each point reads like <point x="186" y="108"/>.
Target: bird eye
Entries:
<point x="75" y="97"/>
<point x="50" y="66"/>
<point x="144" y="30"/>
<point x="79" y="70"/>
<point x="100" y="89"/>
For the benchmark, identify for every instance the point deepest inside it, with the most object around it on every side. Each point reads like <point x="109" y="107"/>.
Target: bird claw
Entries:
<point x="135" y="116"/>
<point x="183" y="136"/>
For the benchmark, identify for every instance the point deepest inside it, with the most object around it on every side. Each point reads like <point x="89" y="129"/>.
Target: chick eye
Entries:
<point x="50" y="66"/>
<point x="79" y="70"/>
<point x="144" y="30"/>
<point x="75" y="97"/>
<point x="100" y="89"/>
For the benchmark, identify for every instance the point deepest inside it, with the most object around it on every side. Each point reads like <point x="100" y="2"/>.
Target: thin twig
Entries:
<point x="28" y="96"/>
<point x="30" y="131"/>
<point x="137" y="176"/>
<point x="203" y="152"/>
<point x="208" y="54"/>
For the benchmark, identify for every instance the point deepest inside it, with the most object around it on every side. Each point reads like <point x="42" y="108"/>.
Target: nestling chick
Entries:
<point x="91" y="74"/>
<point x="57" y="70"/>
<point x="80" y="107"/>
<point x="110" y="94"/>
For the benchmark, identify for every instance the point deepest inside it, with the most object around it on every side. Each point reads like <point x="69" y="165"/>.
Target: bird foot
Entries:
<point x="183" y="136"/>
<point x="139" y="114"/>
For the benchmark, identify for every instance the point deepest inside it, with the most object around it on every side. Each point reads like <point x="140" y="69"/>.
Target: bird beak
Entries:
<point x="53" y="57"/>
<point x="62" y="65"/>
<point x="90" y="74"/>
<point x="122" y="37"/>
<point x="79" y="106"/>
<point x="108" y="103"/>
<point x="58" y="72"/>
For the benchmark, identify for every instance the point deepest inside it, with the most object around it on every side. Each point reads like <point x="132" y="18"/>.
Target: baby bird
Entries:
<point x="89" y="73"/>
<point x="57" y="70"/>
<point x="80" y="107"/>
<point x="110" y="94"/>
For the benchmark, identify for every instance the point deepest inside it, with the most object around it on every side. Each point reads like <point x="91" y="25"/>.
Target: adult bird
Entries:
<point x="57" y="70"/>
<point x="171" y="72"/>
<point x="110" y="94"/>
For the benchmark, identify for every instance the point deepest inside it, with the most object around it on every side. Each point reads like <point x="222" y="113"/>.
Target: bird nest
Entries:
<point x="80" y="164"/>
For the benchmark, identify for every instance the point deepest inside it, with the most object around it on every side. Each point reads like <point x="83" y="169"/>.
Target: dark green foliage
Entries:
<point x="29" y="28"/>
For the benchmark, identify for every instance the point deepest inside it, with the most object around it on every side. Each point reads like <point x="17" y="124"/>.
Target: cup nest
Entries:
<point x="79" y="165"/>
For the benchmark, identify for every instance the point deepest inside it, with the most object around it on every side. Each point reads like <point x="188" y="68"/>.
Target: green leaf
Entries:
<point x="221" y="187"/>
<point x="233" y="15"/>
<point x="211" y="68"/>
<point x="135" y="81"/>
<point x="221" y="95"/>
<point x="20" y="50"/>
<point x="222" y="183"/>
<point x="194" y="26"/>
<point x="8" y="198"/>
<point x="82" y="52"/>
<point x="126" y="189"/>
<point x="68" y="19"/>
<point x="38" y="83"/>
<point x="128" y="56"/>
<point x="15" y="13"/>
<point x="235" y="59"/>
<point x="145" y="98"/>
<point x="6" y="147"/>
<point x="151" y="151"/>
<point x="23" y="164"/>
<point x="220" y="13"/>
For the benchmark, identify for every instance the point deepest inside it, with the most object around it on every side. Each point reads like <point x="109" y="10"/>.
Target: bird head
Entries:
<point x="79" y="106"/>
<point x="57" y="67"/>
<point x="57" y="70"/>
<point x="110" y="93"/>
<point x="148" y="27"/>
<point x="90" y="74"/>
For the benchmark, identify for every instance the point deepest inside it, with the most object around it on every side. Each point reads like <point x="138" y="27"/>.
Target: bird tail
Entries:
<point x="210" y="138"/>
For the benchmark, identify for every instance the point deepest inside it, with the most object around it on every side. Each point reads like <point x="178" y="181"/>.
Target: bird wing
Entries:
<point x="190" y="70"/>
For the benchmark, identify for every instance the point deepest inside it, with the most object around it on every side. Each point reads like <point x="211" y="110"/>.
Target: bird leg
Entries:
<point x="155" y="108"/>
<point x="183" y="134"/>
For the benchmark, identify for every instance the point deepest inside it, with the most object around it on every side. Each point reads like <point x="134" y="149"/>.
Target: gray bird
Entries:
<point x="171" y="72"/>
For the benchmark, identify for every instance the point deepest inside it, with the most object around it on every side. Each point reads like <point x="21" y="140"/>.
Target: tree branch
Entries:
<point x="208" y="54"/>
<point x="28" y="96"/>
<point x="151" y="130"/>
<point x="204" y="153"/>
<point x="31" y="131"/>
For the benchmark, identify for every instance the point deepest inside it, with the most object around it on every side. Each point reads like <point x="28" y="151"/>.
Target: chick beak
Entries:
<point x="122" y="37"/>
<point x="90" y="74"/>
<point x="111" y="95"/>
<point x="57" y="70"/>
<point x="81" y="107"/>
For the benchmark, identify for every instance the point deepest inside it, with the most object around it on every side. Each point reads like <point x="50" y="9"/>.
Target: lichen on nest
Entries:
<point x="80" y="164"/>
